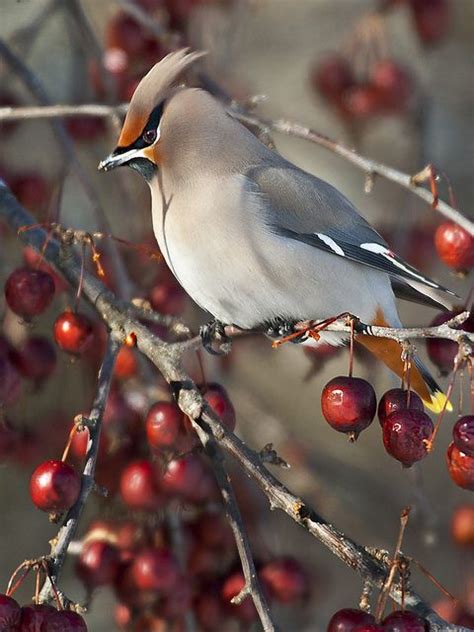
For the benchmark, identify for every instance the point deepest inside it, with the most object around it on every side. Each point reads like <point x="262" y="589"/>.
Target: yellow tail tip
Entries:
<point x="438" y="402"/>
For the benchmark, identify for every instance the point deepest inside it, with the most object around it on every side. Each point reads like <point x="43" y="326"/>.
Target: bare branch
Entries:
<point x="35" y="86"/>
<point x="370" y="167"/>
<point x="143" y="18"/>
<point x="252" y="585"/>
<point x="39" y="112"/>
<point x="167" y="358"/>
<point x="71" y="522"/>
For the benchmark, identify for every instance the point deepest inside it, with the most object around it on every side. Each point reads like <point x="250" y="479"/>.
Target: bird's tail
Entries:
<point x="421" y="381"/>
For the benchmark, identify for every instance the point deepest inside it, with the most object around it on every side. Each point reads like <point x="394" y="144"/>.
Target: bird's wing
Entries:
<point x="302" y="207"/>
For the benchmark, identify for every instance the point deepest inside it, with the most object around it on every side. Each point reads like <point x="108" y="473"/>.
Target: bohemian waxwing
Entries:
<point x="253" y="239"/>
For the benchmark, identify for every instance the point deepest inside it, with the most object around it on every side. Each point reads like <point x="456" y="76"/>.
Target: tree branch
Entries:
<point x="282" y="126"/>
<point x="71" y="522"/>
<point x="36" y="88"/>
<point x="370" y="167"/>
<point x="167" y="358"/>
<point x="252" y="585"/>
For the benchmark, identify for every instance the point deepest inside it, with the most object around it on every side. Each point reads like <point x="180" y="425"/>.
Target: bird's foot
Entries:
<point x="214" y="332"/>
<point x="284" y="330"/>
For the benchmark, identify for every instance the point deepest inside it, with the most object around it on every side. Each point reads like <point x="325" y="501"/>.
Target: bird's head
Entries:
<point x="139" y="142"/>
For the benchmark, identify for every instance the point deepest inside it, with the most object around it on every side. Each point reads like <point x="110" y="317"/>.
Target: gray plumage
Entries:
<point x="253" y="239"/>
<point x="234" y="221"/>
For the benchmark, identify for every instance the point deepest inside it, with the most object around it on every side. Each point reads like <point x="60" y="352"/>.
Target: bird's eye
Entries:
<point x="149" y="136"/>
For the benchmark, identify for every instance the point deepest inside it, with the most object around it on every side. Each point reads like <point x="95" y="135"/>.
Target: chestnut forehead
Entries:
<point x="132" y="127"/>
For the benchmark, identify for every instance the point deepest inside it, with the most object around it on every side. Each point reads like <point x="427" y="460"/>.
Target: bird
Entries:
<point x="255" y="241"/>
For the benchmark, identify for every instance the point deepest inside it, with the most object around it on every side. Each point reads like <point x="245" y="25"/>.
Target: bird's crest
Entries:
<point x="152" y="89"/>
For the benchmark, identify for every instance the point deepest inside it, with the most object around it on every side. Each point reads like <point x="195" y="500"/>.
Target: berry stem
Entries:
<point x="81" y="277"/>
<point x="351" y="349"/>
<point x="449" y="390"/>
<point x="433" y="579"/>
<point x="14" y="583"/>
<point x="384" y="593"/>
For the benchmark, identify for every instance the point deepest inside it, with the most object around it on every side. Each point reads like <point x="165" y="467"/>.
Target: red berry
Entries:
<point x="455" y="246"/>
<point x="55" y="486"/>
<point x="393" y="84"/>
<point x="123" y="616"/>
<point x="10" y="383"/>
<point x="218" y="399"/>
<point x="31" y="190"/>
<point x="98" y="563"/>
<point x="285" y="579"/>
<point x="213" y="530"/>
<point x="33" y="259"/>
<point x="361" y="101"/>
<point x="35" y="617"/>
<point x="209" y="611"/>
<point x="139" y="486"/>
<point x="155" y="569"/>
<point x="405" y="435"/>
<point x="347" y="619"/>
<point x="431" y="19"/>
<point x="126" y="364"/>
<point x="80" y="442"/>
<point x="66" y="621"/>
<point x="29" y="292"/>
<point x="404" y="621"/>
<point x="460" y="467"/>
<point x="85" y="128"/>
<point x="167" y="297"/>
<point x="9" y="613"/>
<point x="397" y="399"/>
<point x="163" y="424"/>
<point x="36" y="359"/>
<point x="232" y="586"/>
<point x="462" y="525"/>
<point x="465" y="617"/>
<point x="187" y="439"/>
<point x="129" y="535"/>
<point x="368" y="627"/>
<point x="463" y="434"/>
<point x="125" y="33"/>
<point x="178" y="601"/>
<point x="179" y="11"/>
<point x="332" y="76"/>
<point x="188" y="478"/>
<point x="348" y="404"/>
<point x="442" y="352"/>
<point x="204" y="562"/>
<point x="73" y="332"/>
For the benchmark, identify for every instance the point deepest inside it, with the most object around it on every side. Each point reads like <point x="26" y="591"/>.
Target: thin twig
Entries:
<point x="252" y="585"/>
<point x="371" y="167"/>
<point x="69" y="527"/>
<point x="384" y="593"/>
<point x="35" y="86"/>
<point x="167" y="358"/>
<point x="143" y="18"/>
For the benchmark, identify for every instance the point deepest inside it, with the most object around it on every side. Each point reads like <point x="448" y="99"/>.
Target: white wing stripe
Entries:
<point x="331" y="243"/>
<point x="384" y="252"/>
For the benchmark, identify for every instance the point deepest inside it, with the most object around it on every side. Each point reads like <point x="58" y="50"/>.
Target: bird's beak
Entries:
<point x="118" y="158"/>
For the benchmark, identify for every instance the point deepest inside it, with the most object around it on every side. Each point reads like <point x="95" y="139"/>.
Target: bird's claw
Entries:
<point x="215" y="332"/>
<point x="283" y="330"/>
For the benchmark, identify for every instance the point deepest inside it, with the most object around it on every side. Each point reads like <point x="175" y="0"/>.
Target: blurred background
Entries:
<point x="320" y="63"/>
